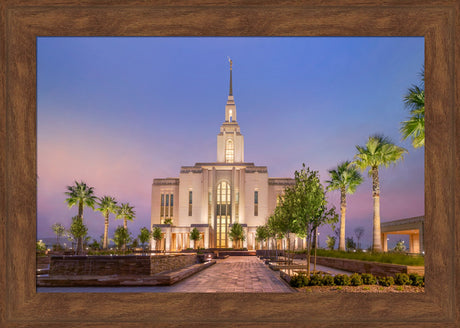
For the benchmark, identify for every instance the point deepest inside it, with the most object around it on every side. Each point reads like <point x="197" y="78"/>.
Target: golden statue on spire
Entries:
<point x="230" y="61"/>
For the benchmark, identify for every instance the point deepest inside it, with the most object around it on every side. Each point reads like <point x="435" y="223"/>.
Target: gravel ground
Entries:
<point x="361" y="289"/>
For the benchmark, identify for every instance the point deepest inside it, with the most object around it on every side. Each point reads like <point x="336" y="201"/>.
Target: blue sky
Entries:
<point x="118" y="112"/>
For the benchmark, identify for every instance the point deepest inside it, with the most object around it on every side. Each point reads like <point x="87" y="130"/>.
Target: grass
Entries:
<point x="394" y="258"/>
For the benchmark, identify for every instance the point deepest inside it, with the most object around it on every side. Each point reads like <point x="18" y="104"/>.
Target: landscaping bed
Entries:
<point x="360" y="289"/>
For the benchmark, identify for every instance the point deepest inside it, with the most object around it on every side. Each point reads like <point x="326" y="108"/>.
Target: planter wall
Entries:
<point x="119" y="265"/>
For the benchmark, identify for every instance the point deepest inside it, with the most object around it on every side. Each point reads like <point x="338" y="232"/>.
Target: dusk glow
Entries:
<point x="118" y="112"/>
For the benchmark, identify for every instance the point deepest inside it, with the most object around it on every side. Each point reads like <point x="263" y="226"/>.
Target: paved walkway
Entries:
<point x="237" y="274"/>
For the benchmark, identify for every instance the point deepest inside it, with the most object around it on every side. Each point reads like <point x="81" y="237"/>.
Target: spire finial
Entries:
<point x="231" y="87"/>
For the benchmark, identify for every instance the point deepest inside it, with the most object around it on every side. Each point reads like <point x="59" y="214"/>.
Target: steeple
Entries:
<point x="230" y="141"/>
<point x="231" y="89"/>
<point x="230" y="108"/>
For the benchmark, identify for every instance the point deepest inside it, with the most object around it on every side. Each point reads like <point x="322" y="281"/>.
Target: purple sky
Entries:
<point x="118" y="112"/>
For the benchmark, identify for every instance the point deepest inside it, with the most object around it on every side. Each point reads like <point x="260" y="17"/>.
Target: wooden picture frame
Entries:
<point x="22" y="21"/>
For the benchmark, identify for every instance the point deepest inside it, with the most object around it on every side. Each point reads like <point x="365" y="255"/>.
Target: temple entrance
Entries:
<point x="223" y="213"/>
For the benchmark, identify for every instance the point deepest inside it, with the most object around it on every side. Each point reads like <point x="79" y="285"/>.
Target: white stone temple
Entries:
<point x="213" y="196"/>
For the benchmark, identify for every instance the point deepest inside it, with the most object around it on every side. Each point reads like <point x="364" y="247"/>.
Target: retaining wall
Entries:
<point x="119" y="265"/>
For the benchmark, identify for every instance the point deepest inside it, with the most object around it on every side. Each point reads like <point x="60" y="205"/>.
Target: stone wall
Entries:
<point x="119" y="265"/>
<point x="160" y="263"/>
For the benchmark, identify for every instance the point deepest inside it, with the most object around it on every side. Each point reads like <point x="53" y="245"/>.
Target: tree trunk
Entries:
<point x="106" y="232"/>
<point x="125" y="225"/>
<point x="377" y="243"/>
<point x="343" y="209"/>
<point x="314" y="265"/>
<point x="308" y="253"/>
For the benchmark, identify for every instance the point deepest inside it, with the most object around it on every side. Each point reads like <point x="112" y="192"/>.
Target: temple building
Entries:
<point x="213" y="196"/>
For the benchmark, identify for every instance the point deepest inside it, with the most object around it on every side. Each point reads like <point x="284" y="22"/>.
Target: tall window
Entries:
<point x="256" y="203"/>
<point x="237" y="207"/>
<point x="167" y="207"/>
<point x="190" y="202"/>
<point x="223" y="213"/>
<point x="229" y="151"/>
<point x="210" y="209"/>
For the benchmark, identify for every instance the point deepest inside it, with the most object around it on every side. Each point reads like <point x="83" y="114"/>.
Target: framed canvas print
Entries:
<point x="26" y="23"/>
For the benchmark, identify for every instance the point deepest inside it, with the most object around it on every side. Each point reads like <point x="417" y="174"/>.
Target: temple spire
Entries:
<point x="231" y="87"/>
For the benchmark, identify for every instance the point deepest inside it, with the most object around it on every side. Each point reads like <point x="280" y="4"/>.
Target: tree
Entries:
<point x="359" y="231"/>
<point x="414" y="101"/>
<point x="350" y="243"/>
<point x="195" y="236"/>
<point x="262" y="234"/>
<point x="59" y="230"/>
<point x="81" y="195"/>
<point x="330" y="241"/>
<point x="107" y="205"/>
<point x="344" y="178"/>
<point x="121" y="237"/>
<point x="378" y="151"/>
<point x="236" y="234"/>
<point x="125" y="212"/>
<point x="400" y="247"/>
<point x="309" y="206"/>
<point x="168" y="221"/>
<point x="144" y="236"/>
<point x="78" y="230"/>
<point x="157" y="235"/>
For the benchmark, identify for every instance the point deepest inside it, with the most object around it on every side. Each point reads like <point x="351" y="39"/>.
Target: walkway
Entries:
<point x="236" y="274"/>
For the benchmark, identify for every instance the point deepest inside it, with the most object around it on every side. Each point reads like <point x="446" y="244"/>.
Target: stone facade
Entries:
<point x="118" y="265"/>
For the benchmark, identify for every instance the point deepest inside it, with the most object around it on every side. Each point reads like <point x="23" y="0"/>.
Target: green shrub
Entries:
<point x="368" y="279"/>
<point x="342" y="280"/>
<point x="328" y="280"/>
<point x="417" y="280"/>
<point x="402" y="279"/>
<point x="356" y="280"/>
<point x="299" y="280"/>
<point x="316" y="280"/>
<point x="386" y="281"/>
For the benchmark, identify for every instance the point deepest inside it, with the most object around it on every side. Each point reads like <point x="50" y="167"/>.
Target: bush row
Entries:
<point x="301" y="279"/>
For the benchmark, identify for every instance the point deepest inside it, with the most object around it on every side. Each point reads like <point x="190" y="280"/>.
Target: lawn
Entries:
<point x="394" y="258"/>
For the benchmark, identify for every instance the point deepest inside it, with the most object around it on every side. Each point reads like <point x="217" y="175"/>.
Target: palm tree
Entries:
<point x="378" y="151"/>
<point x="344" y="178"/>
<point x="414" y="127"/>
<point x="126" y="213"/>
<point x="83" y="196"/>
<point x="107" y="205"/>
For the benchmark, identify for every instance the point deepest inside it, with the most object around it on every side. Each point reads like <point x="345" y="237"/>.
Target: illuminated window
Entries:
<point x="210" y="209"/>
<point x="190" y="200"/>
<point x="223" y="213"/>
<point x="230" y="115"/>
<point x="256" y="203"/>
<point x="229" y="151"/>
<point x="167" y="207"/>
<point x="237" y="206"/>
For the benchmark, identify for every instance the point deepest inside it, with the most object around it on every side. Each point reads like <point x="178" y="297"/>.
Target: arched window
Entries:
<point x="230" y="115"/>
<point x="229" y="151"/>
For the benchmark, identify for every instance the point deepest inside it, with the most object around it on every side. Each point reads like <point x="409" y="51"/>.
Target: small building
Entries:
<point x="212" y="196"/>
<point x="414" y="227"/>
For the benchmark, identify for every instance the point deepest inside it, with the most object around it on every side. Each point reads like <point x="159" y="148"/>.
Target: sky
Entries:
<point x="118" y="112"/>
